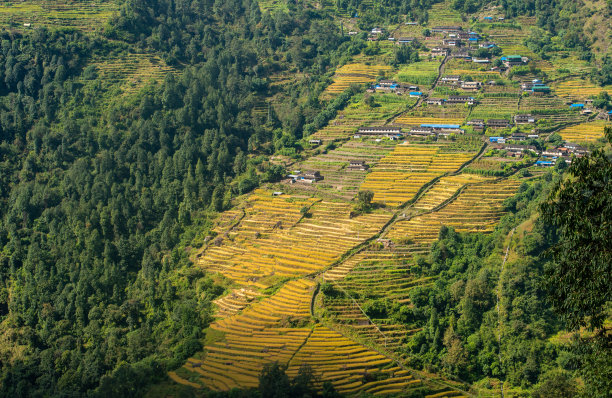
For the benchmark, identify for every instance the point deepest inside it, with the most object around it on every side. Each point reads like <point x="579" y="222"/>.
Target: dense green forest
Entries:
<point x="102" y="196"/>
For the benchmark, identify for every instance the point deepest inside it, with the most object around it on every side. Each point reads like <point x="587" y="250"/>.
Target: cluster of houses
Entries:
<point x="307" y="177"/>
<point x="535" y="87"/>
<point x="455" y="80"/>
<point x="565" y="152"/>
<point x="391" y="86"/>
<point x="513" y="137"/>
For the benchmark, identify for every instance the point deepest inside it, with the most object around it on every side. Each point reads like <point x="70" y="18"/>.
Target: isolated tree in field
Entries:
<point x="364" y="200"/>
<point x="580" y="207"/>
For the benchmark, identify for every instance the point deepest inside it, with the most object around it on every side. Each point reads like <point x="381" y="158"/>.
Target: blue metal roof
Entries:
<point x="416" y="93"/>
<point x="577" y="106"/>
<point x="544" y="162"/>
<point x="442" y="126"/>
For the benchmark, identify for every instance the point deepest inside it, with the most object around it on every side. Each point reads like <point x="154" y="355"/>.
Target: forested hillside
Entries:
<point x="152" y="243"/>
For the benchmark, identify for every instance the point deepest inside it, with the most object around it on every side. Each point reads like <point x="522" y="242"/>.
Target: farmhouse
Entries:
<point x="435" y="101"/>
<point x="470" y="86"/>
<point x="544" y="163"/>
<point x="553" y="153"/>
<point x="462" y="54"/>
<point x="461" y="99"/>
<point x="518" y="137"/>
<point x="487" y="44"/>
<point x="439" y="51"/>
<point x="446" y="29"/>
<point x="451" y="42"/>
<point x="380" y="131"/>
<point x="444" y="129"/>
<point x="406" y="40"/>
<point x="576" y="106"/>
<point x="512" y="60"/>
<point x="377" y="31"/>
<point x="451" y="79"/>
<point x="498" y="123"/>
<point x="415" y="94"/>
<point x="421" y="131"/>
<point x="357" y="165"/>
<point x="520" y="149"/>
<point x="477" y="124"/>
<point x="308" y="177"/>
<point x="497" y="139"/>
<point x="524" y="119"/>
<point x="387" y="83"/>
<point x="481" y="60"/>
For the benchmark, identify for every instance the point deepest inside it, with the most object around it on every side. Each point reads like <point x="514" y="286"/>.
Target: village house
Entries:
<point x="553" y="153"/>
<point x="487" y="44"/>
<point x="518" y="137"/>
<point x="314" y="142"/>
<point x="524" y="119"/>
<point x="474" y="86"/>
<point x="406" y="40"/>
<point x="451" y="42"/>
<point x="435" y="101"/>
<point x="444" y="129"/>
<point x="415" y="94"/>
<point x="357" y="165"/>
<point x="512" y="60"/>
<point x="451" y="79"/>
<point x="307" y="177"/>
<point x="377" y="31"/>
<point x="439" y="51"/>
<point x="462" y="54"/>
<point x="421" y="131"/>
<point x="481" y="60"/>
<point x="446" y="29"/>
<point x="477" y="124"/>
<point x="461" y="99"/>
<point x="518" y="150"/>
<point x="379" y="131"/>
<point x="352" y="33"/>
<point x="498" y="123"/>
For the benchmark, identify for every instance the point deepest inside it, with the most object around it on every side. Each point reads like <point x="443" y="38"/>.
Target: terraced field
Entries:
<point x="273" y="240"/>
<point x="339" y="178"/>
<point x="585" y="132"/>
<point x="84" y="15"/>
<point x="401" y="174"/>
<point x="477" y="209"/>
<point x="358" y="114"/>
<point x="578" y="89"/>
<point x="132" y="71"/>
<point x="358" y="73"/>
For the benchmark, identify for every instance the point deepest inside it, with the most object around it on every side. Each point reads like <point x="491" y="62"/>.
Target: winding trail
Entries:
<point x="499" y="318"/>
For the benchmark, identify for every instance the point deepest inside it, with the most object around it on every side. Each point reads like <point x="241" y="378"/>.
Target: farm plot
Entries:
<point x="443" y="190"/>
<point x="541" y="105"/>
<point x="578" y="89"/>
<point x="421" y="73"/>
<point x="443" y="14"/>
<point x="400" y="175"/>
<point x="339" y="179"/>
<point x="268" y="246"/>
<point x="357" y="114"/>
<point x="83" y="15"/>
<point x="358" y="73"/>
<point x="349" y="366"/>
<point x="496" y="107"/>
<point x="257" y="336"/>
<point x="477" y="209"/>
<point x="585" y="132"/>
<point x="132" y="71"/>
